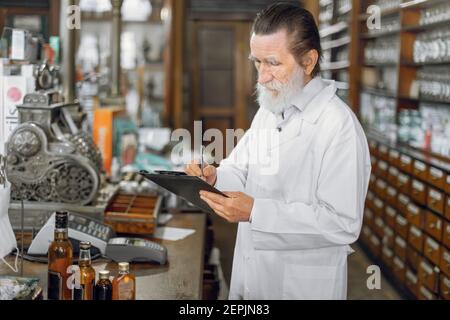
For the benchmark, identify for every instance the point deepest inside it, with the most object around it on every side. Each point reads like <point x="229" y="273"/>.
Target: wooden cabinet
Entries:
<point x="419" y="191"/>
<point x="436" y="200"/>
<point x="433" y="225"/>
<point x="420" y="170"/>
<point x="428" y="276"/>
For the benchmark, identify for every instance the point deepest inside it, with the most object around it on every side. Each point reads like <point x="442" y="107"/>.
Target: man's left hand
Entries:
<point x="236" y="208"/>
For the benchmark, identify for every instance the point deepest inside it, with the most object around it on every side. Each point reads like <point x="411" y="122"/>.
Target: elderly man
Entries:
<point x="295" y="222"/>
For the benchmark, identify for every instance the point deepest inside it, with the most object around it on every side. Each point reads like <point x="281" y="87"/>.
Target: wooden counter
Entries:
<point x="180" y="278"/>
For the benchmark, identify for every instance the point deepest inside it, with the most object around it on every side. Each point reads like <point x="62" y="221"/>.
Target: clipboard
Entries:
<point x="187" y="187"/>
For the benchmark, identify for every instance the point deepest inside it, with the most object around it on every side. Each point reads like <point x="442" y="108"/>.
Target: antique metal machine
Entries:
<point x="49" y="159"/>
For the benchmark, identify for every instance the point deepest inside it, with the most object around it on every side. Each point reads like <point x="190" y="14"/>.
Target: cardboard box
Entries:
<point x="103" y="132"/>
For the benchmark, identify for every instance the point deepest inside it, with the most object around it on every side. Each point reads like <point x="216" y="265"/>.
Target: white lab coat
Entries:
<point x="307" y="211"/>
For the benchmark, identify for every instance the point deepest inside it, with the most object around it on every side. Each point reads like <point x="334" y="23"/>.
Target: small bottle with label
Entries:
<point x="59" y="260"/>
<point x="103" y="288"/>
<point x="84" y="290"/>
<point x="124" y="285"/>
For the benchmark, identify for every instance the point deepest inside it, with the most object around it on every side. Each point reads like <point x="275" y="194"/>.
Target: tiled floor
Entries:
<point x="225" y="235"/>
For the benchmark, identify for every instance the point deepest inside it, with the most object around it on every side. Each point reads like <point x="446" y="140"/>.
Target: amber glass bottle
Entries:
<point x="103" y="288"/>
<point x="85" y="290"/>
<point x="124" y="285"/>
<point x="59" y="259"/>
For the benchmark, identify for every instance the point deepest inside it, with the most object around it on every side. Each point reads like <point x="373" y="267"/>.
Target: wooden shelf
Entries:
<point x="423" y="64"/>
<point x="380" y="34"/>
<point x="383" y="13"/>
<point x="379" y="92"/>
<point x="424" y="99"/>
<point x="107" y="17"/>
<point x="420" y="28"/>
<point x="336" y="43"/>
<point x="337" y="65"/>
<point x="335" y="28"/>
<point x="420" y="4"/>
<point x="380" y="64"/>
<point x="428" y="157"/>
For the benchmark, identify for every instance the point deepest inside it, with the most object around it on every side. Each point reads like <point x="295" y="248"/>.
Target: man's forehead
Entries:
<point x="274" y="43"/>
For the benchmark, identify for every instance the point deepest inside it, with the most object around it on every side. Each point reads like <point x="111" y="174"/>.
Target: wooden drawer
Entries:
<point x="436" y="177"/>
<point x="388" y="237"/>
<point x="372" y="180"/>
<point x="447" y="208"/>
<point x="414" y="215"/>
<point x="412" y="282"/>
<point x="403" y="183"/>
<point x="387" y="256"/>
<point x="378" y="206"/>
<point x="392" y="175"/>
<point x="420" y="170"/>
<point x="413" y="258"/>
<point x="382" y="168"/>
<point x="400" y="247"/>
<point x="368" y="217"/>
<point x="378" y="227"/>
<point x="419" y="191"/>
<point x="445" y="261"/>
<point x="380" y="188"/>
<point x="446" y="234"/>
<point x="383" y="152"/>
<point x="432" y="250"/>
<point x="425" y="294"/>
<point x="433" y="225"/>
<point x="445" y="288"/>
<point x="369" y="200"/>
<point x="391" y="196"/>
<point x="399" y="269"/>
<point x="405" y="163"/>
<point x="415" y="238"/>
<point x="375" y="245"/>
<point x="394" y="157"/>
<point x="402" y="203"/>
<point x="373" y="162"/>
<point x="401" y="226"/>
<point x="428" y="275"/>
<point x="389" y="216"/>
<point x="365" y="235"/>
<point x="436" y="200"/>
<point x="447" y="184"/>
<point x="373" y="148"/>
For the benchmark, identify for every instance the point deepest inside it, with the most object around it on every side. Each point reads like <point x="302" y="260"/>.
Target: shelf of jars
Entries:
<point x="335" y="31"/>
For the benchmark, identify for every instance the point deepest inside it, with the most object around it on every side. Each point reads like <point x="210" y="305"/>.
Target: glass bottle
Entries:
<point x="85" y="289"/>
<point x="60" y="254"/>
<point x="124" y="285"/>
<point x="103" y="289"/>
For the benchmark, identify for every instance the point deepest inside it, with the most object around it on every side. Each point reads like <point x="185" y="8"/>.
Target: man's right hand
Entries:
<point x="209" y="172"/>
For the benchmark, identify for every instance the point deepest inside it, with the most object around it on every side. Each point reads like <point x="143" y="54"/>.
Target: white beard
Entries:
<point x="285" y="92"/>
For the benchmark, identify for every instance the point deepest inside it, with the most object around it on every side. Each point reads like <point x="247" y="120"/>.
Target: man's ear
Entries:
<point x="310" y="60"/>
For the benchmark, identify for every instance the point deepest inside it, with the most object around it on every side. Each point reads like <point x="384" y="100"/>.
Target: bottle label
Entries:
<point x="55" y="286"/>
<point x="126" y="290"/>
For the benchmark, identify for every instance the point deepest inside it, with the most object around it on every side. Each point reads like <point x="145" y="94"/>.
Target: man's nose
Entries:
<point x="264" y="75"/>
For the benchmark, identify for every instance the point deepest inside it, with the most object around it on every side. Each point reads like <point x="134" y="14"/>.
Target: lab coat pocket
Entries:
<point x="310" y="282"/>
